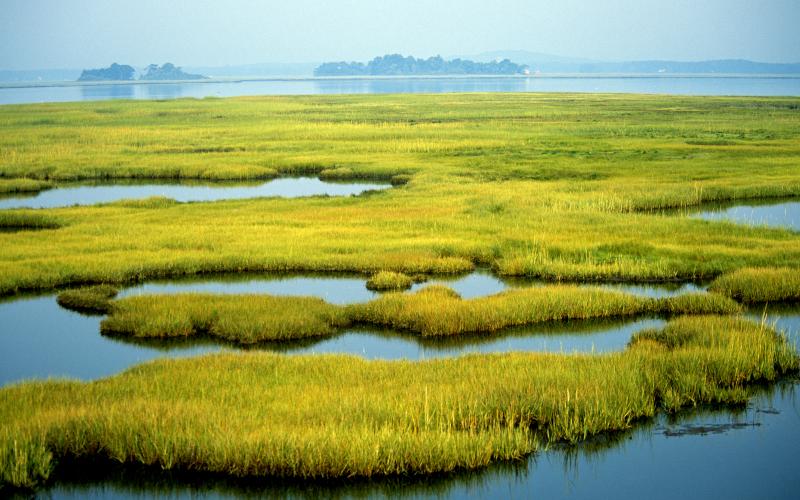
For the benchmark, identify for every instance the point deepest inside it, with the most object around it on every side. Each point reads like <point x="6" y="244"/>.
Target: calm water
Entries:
<point x="40" y="339"/>
<point x="745" y="454"/>
<point x="756" y="213"/>
<point x="761" y="86"/>
<point x="93" y="194"/>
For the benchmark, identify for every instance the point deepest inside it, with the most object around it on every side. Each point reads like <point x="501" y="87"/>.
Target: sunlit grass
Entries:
<point x="433" y="311"/>
<point x="261" y="414"/>
<point x="555" y="186"/>
<point x="760" y="285"/>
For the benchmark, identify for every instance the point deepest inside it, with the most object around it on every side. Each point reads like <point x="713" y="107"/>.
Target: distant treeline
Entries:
<point x="396" y="64"/>
<point x="123" y="72"/>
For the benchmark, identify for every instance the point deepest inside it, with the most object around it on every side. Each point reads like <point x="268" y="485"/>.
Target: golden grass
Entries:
<point x="433" y="311"/>
<point x="260" y="414"/>
<point x="760" y="285"/>
<point x="554" y="186"/>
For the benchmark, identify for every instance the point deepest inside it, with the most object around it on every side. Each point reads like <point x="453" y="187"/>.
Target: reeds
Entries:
<point x="388" y="280"/>
<point x="93" y="300"/>
<point x="558" y="187"/>
<point x="760" y="285"/>
<point x="261" y="414"/>
<point x="433" y="311"/>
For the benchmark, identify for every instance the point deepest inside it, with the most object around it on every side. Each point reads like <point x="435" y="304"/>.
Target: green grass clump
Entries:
<point x="149" y="202"/>
<point x="94" y="299"/>
<point x="262" y="414"/>
<point x="760" y="285"/>
<point x="22" y="220"/>
<point x="389" y="280"/>
<point x="435" y="310"/>
<point x="245" y="319"/>
<point x="556" y="186"/>
<point x="23" y="185"/>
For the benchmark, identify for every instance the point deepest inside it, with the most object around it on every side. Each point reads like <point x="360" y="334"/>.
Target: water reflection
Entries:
<point x="769" y="213"/>
<point x="699" y="85"/>
<point x="111" y="91"/>
<point x="39" y="339"/>
<point x="94" y="193"/>
<point x="747" y="453"/>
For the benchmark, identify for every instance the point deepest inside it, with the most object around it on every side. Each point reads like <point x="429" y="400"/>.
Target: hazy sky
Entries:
<point x="94" y="33"/>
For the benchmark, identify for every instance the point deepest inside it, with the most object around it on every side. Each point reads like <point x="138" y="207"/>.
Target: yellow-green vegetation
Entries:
<point x="93" y="299"/>
<point x="433" y="311"/>
<point x="438" y="310"/>
<point x="256" y="414"/>
<point x="555" y="186"/>
<point x="245" y="319"/>
<point x="21" y="220"/>
<point x="22" y="185"/>
<point x="760" y="285"/>
<point x="389" y="280"/>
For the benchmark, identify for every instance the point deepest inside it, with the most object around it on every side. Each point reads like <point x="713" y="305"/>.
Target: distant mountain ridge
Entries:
<point x="549" y="63"/>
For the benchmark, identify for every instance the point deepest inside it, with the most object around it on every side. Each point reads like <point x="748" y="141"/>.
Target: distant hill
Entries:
<point x="549" y="63"/>
<point x="115" y="72"/>
<point x="168" y="72"/>
<point x="728" y="66"/>
<point x="396" y="64"/>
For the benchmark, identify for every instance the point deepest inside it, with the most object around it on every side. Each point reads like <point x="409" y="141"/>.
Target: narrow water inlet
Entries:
<point x="92" y="194"/>
<point x="756" y="213"/>
<point x="40" y="339"/>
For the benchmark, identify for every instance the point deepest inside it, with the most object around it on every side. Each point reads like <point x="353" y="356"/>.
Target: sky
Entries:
<point x="40" y="34"/>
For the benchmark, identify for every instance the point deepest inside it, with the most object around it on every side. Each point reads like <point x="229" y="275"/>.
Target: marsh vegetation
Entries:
<point x="558" y="188"/>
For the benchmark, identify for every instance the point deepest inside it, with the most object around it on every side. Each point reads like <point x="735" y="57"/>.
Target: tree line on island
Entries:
<point x="396" y="64"/>
<point x="123" y="72"/>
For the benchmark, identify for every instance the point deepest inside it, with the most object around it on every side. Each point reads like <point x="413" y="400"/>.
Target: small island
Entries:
<point x="168" y="72"/>
<point x="396" y="65"/>
<point x="115" y="72"/>
<point x="122" y="73"/>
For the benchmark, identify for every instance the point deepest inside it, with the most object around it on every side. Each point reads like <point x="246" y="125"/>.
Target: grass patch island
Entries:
<point x="558" y="187"/>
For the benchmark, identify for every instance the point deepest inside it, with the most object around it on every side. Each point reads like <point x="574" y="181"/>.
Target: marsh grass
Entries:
<point x="92" y="300"/>
<point x="259" y="414"/>
<point x="388" y="280"/>
<point x="26" y="220"/>
<point x="433" y="311"/>
<point x="752" y="285"/>
<point x="554" y="186"/>
<point x="244" y="319"/>
<point x="22" y="185"/>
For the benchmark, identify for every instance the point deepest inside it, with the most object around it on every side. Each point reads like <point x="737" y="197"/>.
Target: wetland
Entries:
<point x="546" y="310"/>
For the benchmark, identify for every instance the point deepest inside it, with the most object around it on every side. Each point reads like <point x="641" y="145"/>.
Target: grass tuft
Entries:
<point x="93" y="300"/>
<point x="760" y="285"/>
<point x="262" y="414"/>
<point x="389" y="280"/>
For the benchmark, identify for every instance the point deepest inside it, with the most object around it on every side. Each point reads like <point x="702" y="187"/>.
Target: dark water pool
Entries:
<point x="94" y="194"/>
<point x="783" y="214"/>
<point x="733" y="454"/>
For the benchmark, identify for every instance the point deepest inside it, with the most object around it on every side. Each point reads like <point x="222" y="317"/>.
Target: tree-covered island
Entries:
<point x="396" y="64"/>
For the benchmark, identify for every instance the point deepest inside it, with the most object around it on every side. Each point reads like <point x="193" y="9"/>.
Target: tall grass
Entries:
<point x="244" y="319"/>
<point x="260" y="414"/>
<point x="760" y="284"/>
<point x="94" y="299"/>
<point x="553" y="186"/>
<point x="433" y="311"/>
<point x="388" y="280"/>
